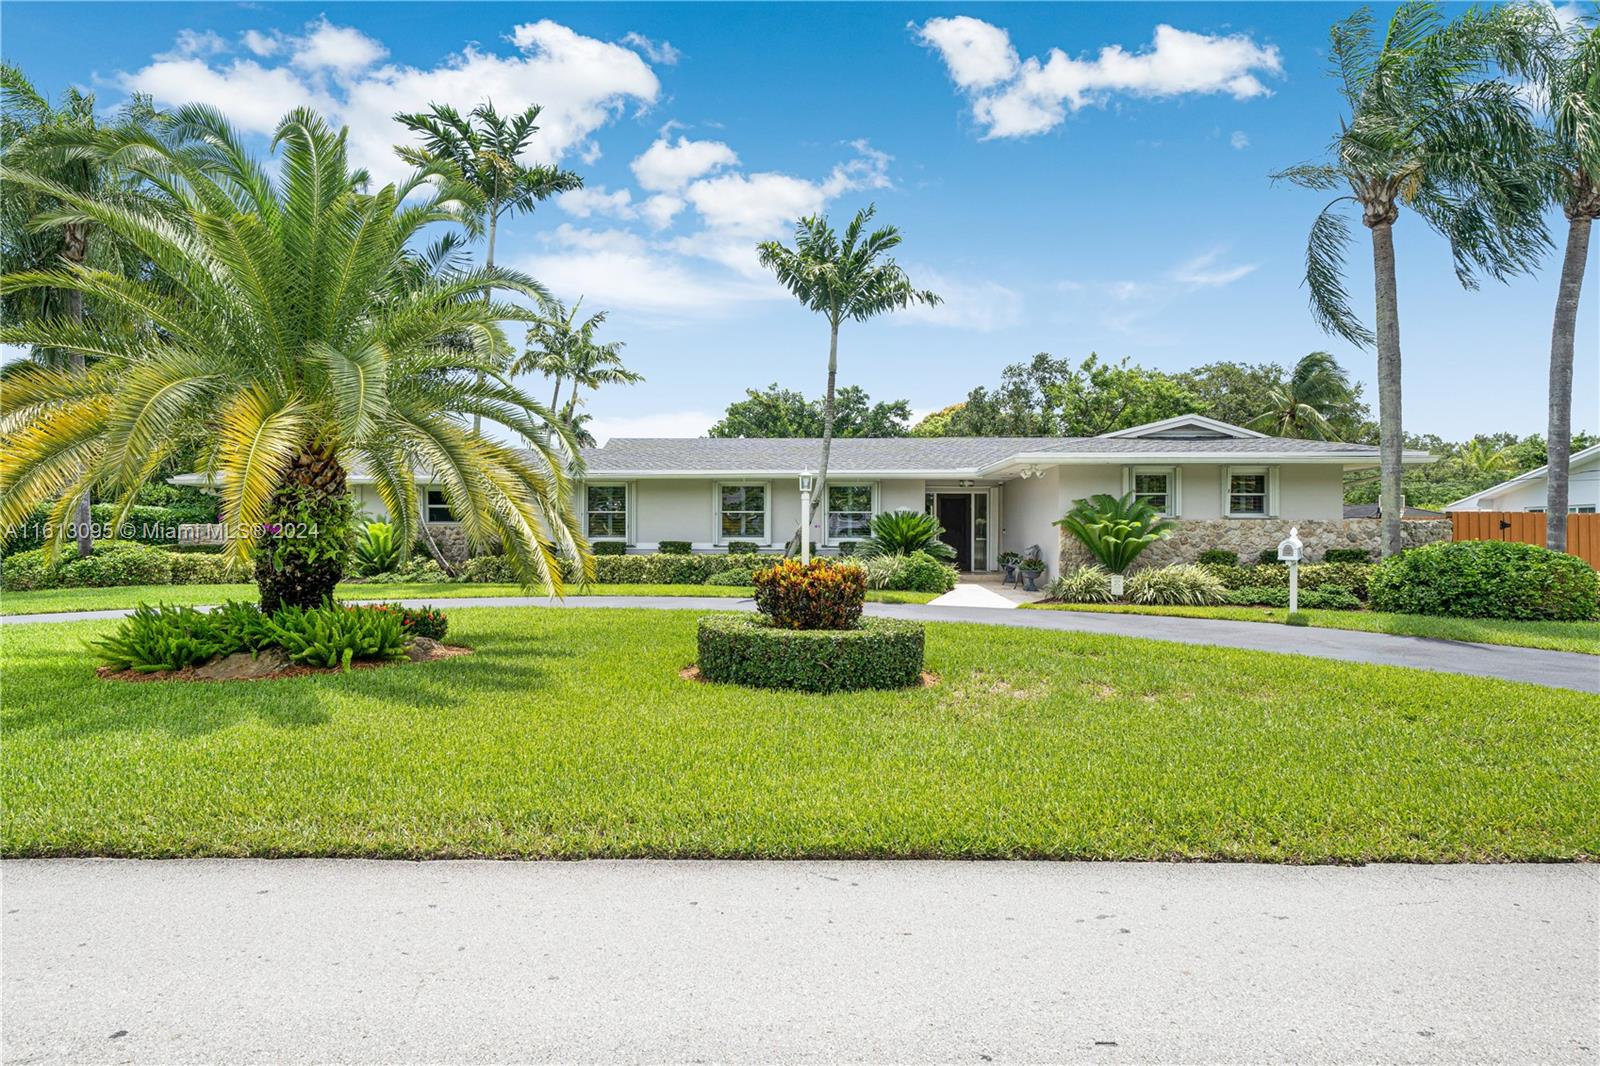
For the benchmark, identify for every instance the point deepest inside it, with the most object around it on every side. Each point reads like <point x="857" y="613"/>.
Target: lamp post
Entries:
<point x="807" y="483"/>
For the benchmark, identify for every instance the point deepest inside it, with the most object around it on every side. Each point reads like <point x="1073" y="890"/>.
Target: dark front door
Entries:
<point x="955" y="515"/>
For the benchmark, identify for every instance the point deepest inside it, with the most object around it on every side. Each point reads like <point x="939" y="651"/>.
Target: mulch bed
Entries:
<point x="928" y="678"/>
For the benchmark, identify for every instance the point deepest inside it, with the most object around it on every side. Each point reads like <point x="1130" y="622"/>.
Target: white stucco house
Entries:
<point x="1227" y="486"/>
<point x="1527" y="492"/>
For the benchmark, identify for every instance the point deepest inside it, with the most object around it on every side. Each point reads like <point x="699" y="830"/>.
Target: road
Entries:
<point x="254" y="961"/>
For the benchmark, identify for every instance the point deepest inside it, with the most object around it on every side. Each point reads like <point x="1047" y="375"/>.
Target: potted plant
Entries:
<point x="1009" y="561"/>
<point x="1115" y="530"/>
<point x="1030" y="569"/>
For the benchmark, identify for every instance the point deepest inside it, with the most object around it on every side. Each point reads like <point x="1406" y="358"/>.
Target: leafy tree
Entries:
<point x="1050" y="397"/>
<point x="775" y="412"/>
<point x="564" y="349"/>
<point x="483" y="147"/>
<point x="841" y="278"/>
<point x="281" y="317"/>
<point x="1463" y="467"/>
<point x="1232" y="392"/>
<point x="1481" y="459"/>
<point x="1317" y="397"/>
<point x="937" y="424"/>
<point x="1428" y="131"/>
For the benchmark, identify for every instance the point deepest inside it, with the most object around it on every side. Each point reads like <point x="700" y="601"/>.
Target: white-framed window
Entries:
<point x="605" y="509"/>
<point x="743" y="511"/>
<point x="1582" y="508"/>
<point x="1157" y="486"/>
<point x="437" y="507"/>
<point x="850" y="509"/>
<point x="1247" y="491"/>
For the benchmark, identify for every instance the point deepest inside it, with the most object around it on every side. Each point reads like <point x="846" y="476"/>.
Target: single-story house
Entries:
<point x="1527" y="492"/>
<point x="1227" y="487"/>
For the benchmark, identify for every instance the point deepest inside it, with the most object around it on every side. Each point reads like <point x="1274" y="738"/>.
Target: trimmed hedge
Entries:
<point x="1327" y="598"/>
<point x="1352" y="576"/>
<point x="674" y="547"/>
<point x="670" y="569"/>
<point x="1219" y="557"/>
<point x="608" y="547"/>
<point x="1487" y="579"/>
<point x="114" y="563"/>
<point x="743" y="547"/>
<point x="879" y="653"/>
<point x="741" y="576"/>
<point x="1347" y="555"/>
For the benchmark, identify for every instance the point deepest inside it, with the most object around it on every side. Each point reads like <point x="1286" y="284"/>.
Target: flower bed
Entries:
<point x="879" y="653"/>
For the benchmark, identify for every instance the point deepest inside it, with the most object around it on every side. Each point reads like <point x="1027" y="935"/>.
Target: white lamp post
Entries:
<point x="807" y="483"/>
<point x="1289" y="551"/>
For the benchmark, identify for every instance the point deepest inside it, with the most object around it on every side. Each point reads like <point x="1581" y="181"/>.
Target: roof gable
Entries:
<point x="1187" y="427"/>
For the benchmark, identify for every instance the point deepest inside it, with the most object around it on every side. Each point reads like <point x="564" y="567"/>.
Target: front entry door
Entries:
<point x="955" y="515"/>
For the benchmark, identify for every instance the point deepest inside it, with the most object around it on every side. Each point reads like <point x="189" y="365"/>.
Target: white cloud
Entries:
<point x="665" y="424"/>
<point x="984" y="306"/>
<point x="668" y="167"/>
<point x="195" y="43"/>
<point x="1034" y="96"/>
<point x="661" y="209"/>
<point x="1240" y="139"/>
<point x="660" y="52"/>
<point x="978" y="54"/>
<point x="1204" y="272"/>
<point x="597" y="201"/>
<point x="581" y="83"/>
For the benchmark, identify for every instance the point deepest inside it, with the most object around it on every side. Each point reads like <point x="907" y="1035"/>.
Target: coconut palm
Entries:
<point x="1483" y="460"/>
<point x="285" y="317"/>
<point x="1426" y="131"/>
<point x="1311" y="404"/>
<point x="850" y="278"/>
<point x="484" y="147"/>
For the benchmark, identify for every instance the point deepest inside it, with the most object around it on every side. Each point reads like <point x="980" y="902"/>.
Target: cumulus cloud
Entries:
<point x="1020" y="99"/>
<point x="668" y="167"/>
<point x="595" y="200"/>
<point x="340" y="49"/>
<point x="262" y="44"/>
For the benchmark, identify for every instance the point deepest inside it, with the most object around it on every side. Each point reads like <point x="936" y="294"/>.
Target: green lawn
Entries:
<point x="47" y="601"/>
<point x="1557" y="636"/>
<point x="571" y="734"/>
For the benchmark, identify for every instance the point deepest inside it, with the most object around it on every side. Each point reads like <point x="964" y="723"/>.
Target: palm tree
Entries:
<point x="1311" y="404"/>
<point x="1482" y="460"/>
<point x="852" y="279"/>
<point x="283" y="315"/>
<point x="483" y="147"/>
<point x="1562" y="63"/>
<point x="38" y="136"/>
<point x="561" y="347"/>
<point x="1428" y="132"/>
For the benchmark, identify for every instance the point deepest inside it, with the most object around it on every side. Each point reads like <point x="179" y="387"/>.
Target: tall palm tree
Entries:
<point x="851" y="278"/>
<point x="1429" y="132"/>
<point x="483" y="147"/>
<point x="563" y="348"/>
<point x="1317" y="396"/>
<point x="283" y="316"/>
<point x="38" y="136"/>
<point x="1561" y="60"/>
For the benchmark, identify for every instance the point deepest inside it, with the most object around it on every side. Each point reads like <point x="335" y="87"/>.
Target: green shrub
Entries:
<point x="879" y="653"/>
<point x="815" y="595"/>
<point x="115" y="564"/>
<point x="487" y="570"/>
<point x="671" y="569"/>
<point x="160" y="638"/>
<point x="608" y="547"/>
<point x="743" y="547"/>
<point x="921" y="572"/>
<point x="334" y="635"/>
<point x="1351" y="576"/>
<point x="1347" y="555"/>
<point x="186" y="504"/>
<point x="848" y="547"/>
<point x="673" y="547"/>
<point x="1486" y="579"/>
<point x="904" y="533"/>
<point x="1086" y="584"/>
<point x="1268" y="557"/>
<point x="733" y="577"/>
<point x="879" y="569"/>
<point x="377" y="549"/>
<point x="1182" y="585"/>
<point x="427" y="622"/>
<point x="1297" y="619"/>
<point x="203" y="568"/>
<point x="418" y="570"/>
<point x="1219" y="557"/>
<point x="1328" y="597"/>
<point x="240" y="626"/>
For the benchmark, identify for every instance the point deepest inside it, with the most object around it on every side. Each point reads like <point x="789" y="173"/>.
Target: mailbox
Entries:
<point x="1289" y="547"/>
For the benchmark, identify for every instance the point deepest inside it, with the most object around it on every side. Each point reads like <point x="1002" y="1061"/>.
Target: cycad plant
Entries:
<point x="284" y="316"/>
<point x="1115" y="530"/>
<point x="1427" y="130"/>
<point x="904" y="532"/>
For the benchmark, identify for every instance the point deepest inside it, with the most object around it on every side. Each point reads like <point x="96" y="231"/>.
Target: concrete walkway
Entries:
<point x="1559" y="669"/>
<point x="976" y="594"/>
<point x="352" y="961"/>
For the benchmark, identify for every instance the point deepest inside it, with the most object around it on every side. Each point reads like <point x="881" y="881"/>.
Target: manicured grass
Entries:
<point x="570" y="733"/>
<point x="47" y="601"/>
<point x="1556" y="636"/>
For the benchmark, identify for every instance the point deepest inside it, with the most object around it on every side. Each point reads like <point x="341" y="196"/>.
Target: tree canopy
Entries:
<point x="775" y="412"/>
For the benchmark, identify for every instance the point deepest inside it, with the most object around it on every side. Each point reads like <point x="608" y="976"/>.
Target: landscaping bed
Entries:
<point x="571" y="734"/>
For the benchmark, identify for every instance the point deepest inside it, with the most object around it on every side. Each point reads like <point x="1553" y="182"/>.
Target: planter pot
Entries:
<point x="1030" y="579"/>
<point x="1116" y="585"/>
<point x="1011" y="573"/>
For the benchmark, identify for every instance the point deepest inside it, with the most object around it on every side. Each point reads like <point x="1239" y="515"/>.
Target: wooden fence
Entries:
<point x="1583" y="530"/>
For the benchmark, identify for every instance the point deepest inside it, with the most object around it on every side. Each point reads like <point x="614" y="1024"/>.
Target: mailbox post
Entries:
<point x="1289" y="550"/>
<point x="807" y="483"/>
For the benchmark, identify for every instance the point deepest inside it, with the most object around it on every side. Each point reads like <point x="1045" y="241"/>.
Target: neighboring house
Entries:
<point x="1226" y="486"/>
<point x="1527" y="492"/>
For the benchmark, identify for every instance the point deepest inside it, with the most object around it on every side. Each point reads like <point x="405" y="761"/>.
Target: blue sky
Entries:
<point x="1113" y="198"/>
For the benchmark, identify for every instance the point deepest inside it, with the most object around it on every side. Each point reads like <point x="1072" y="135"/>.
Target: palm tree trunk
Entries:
<point x="1391" y="440"/>
<point x="300" y="565"/>
<point x="1562" y="342"/>
<point x="77" y="249"/>
<point x="488" y="264"/>
<point x="555" y="397"/>
<point x="827" y="420"/>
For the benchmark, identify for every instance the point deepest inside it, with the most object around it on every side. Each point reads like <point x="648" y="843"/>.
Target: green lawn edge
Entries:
<point x="1581" y="637"/>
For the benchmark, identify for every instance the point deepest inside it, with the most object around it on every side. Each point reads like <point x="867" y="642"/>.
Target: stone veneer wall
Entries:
<point x="451" y="540"/>
<point x="1250" y="537"/>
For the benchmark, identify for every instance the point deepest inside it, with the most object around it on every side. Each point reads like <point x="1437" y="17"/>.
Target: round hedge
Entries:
<point x="746" y="650"/>
<point x="1486" y="579"/>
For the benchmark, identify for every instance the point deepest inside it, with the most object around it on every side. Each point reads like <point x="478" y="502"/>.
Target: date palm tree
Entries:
<point x="1429" y="132"/>
<point x="285" y="316"/>
<point x="851" y="278"/>
<point x="484" y="147"/>
<point x="1312" y="403"/>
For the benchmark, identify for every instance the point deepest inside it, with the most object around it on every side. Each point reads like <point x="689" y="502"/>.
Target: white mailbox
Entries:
<point x="1289" y="548"/>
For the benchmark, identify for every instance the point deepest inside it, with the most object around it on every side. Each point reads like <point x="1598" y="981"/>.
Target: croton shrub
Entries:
<point x="817" y="595"/>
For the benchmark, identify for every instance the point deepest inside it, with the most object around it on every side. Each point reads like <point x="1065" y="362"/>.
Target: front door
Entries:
<point x="954" y="512"/>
